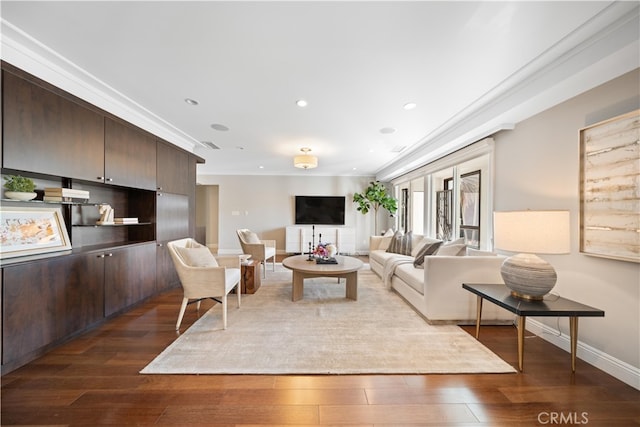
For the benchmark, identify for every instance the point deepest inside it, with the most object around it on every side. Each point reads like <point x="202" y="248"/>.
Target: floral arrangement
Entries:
<point x="325" y="250"/>
<point x="321" y="250"/>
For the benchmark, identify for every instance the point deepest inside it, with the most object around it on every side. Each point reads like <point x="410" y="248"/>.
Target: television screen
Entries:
<point x="323" y="210"/>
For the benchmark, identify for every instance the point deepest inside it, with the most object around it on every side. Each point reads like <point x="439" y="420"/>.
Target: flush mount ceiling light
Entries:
<point x="218" y="126"/>
<point x="409" y="106"/>
<point x="387" y="131"/>
<point x="305" y="161"/>
<point x="191" y="101"/>
<point x="301" y="103"/>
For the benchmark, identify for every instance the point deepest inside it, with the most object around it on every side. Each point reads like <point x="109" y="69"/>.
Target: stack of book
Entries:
<point x="125" y="220"/>
<point x="65" y="195"/>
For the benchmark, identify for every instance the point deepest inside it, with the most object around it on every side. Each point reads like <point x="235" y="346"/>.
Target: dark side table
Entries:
<point x="551" y="306"/>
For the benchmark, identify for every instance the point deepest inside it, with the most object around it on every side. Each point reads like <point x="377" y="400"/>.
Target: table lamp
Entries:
<point x="530" y="232"/>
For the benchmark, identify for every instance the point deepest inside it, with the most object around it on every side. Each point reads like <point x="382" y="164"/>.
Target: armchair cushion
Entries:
<point x="198" y="256"/>
<point x="249" y="236"/>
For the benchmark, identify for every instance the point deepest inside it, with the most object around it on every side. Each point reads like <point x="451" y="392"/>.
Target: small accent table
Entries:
<point x="551" y="306"/>
<point x="250" y="276"/>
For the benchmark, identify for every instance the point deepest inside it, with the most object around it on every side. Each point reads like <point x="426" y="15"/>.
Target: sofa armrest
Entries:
<point x="445" y="299"/>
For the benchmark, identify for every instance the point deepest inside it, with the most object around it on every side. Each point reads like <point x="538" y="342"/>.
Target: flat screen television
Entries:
<point x="322" y="210"/>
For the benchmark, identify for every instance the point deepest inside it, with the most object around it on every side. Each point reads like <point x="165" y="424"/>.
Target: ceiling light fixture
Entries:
<point x="305" y="161"/>
<point x="301" y="103"/>
<point x="218" y="126"/>
<point x="387" y="131"/>
<point x="409" y="106"/>
<point x="191" y="101"/>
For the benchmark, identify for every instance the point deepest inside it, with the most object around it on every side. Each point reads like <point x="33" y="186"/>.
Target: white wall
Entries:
<point x="265" y="204"/>
<point x="537" y="167"/>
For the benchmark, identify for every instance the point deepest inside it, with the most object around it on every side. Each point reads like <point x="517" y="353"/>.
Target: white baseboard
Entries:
<point x="621" y="370"/>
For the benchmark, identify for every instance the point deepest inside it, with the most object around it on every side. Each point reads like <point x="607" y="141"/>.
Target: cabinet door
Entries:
<point x="172" y="217"/>
<point x="173" y="169"/>
<point x="46" y="133"/>
<point x="166" y="274"/>
<point x="46" y="301"/>
<point x="129" y="156"/>
<point x="130" y="276"/>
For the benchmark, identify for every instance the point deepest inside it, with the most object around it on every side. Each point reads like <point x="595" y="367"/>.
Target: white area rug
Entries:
<point x="324" y="333"/>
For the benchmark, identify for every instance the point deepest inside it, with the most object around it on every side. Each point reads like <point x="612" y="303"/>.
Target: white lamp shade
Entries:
<point x="543" y="232"/>
<point x="305" y="161"/>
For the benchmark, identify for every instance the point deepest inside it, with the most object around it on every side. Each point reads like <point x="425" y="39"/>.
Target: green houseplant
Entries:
<point x="375" y="196"/>
<point x="19" y="188"/>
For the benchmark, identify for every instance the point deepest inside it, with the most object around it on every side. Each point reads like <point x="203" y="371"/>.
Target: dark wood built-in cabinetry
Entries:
<point x="62" y="141"/>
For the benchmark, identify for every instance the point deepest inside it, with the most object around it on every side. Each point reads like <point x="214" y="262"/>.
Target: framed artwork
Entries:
<point x="609" y="188"/>
<point x="470" y="208"/>
<point x="31" y="231"/>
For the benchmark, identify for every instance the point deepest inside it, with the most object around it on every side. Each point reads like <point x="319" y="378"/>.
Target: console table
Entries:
<point x="551" y="306"/>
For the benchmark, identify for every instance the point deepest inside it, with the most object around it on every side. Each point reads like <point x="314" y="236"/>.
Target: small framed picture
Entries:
<point x="31" y="231"/>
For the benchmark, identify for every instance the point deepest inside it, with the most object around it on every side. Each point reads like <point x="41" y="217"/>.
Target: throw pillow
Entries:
<point x="197" y="256"/>
<point x="385" y="242"/>
<point x="388" y="233"/>
<point x="250" y="237"/>
<point x="401" y="243"/>
<point x="454" y="248"/>
<point x="429" y="247"/>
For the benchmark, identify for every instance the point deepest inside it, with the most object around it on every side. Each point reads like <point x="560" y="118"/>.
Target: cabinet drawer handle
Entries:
<point x="101" y="178"/>
<point x="159" y="188"/>
<point x="109" y="254"/>
<point x="160" y="245"/>
<point x="109" y="179"/>
<point x="100" y="256"/>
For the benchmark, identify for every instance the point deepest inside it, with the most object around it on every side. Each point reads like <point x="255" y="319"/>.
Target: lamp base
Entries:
<point x="528" y="276"/>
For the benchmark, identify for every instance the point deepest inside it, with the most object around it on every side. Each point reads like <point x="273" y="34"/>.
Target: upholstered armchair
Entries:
<point x="260" y="250"/>
<point x="204" y="276"/>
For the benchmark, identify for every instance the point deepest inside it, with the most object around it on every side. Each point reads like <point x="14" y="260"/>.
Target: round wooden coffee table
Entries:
<point x="347" y="268"/>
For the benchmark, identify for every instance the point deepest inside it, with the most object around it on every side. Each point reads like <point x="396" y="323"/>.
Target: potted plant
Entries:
<point x="19" y="188"/>
<point x="374" y="197"/>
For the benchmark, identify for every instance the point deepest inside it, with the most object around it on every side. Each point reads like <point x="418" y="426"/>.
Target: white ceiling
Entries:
<point x="471" y="68"/>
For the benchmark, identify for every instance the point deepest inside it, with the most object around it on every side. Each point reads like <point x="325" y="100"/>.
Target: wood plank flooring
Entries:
<point x="93" y="380"/>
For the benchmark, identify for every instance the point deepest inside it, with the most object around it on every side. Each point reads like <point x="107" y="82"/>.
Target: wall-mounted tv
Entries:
<point x="320" y="210"/>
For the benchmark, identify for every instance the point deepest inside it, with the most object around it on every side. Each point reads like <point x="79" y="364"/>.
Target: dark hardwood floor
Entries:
<point x="94" y="380"/>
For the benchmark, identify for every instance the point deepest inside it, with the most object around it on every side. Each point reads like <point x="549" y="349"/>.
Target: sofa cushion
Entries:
<point x="412" y="276"/>
<point x="401" y="243"/>
<point x="428" y="247"/>
<point x="453" y="248"/>
<point x="199" y="256"/>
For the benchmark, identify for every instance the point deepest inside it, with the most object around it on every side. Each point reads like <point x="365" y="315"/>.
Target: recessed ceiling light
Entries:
<point x="387" y="131"/>
<point x="191" y="101"/>
<point x="218" y="126"/>
<point x="301" y="103"/>
<point x="409" y="106"/>
<point x="260" y="167"/>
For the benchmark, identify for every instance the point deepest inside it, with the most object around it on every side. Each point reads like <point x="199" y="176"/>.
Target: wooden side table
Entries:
<point x="250" y="277"/>
<point x="549" y="307"/>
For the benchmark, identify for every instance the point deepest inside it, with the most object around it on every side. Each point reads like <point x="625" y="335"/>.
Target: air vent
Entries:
<point x="210" y="145"/>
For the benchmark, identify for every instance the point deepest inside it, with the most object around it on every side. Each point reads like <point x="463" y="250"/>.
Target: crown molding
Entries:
<point x="23" y="51"/>
<point x="602" y="49"/>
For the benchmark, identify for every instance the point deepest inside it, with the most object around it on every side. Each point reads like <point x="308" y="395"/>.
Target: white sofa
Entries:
<point x="435" y="291"/>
